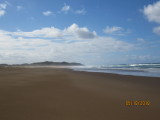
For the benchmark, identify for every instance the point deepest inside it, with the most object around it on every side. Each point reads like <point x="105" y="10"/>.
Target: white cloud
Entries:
<point x="79" y="33"/>
<point x="71" y="32"/>
<point x="82" y="12"/>
<point x="47" y="13"/>
<point x="157" y="30"/>
<point x="65" y="8"/>
<point x="19" y="7"/>
<point x="113" y="29"/>
<point x="116" y="30"/>
<point x="3" y="7"/>
<point x="44" y="33"/>
<point x="152" y="12"/>
<point x="20" y="47"/>
<point x="2" y="12"/>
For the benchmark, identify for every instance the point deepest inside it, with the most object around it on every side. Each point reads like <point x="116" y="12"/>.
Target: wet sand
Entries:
<point x="63" y="94"/>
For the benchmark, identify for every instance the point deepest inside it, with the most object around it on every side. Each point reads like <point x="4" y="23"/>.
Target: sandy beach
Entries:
<point x="63" y="94"/>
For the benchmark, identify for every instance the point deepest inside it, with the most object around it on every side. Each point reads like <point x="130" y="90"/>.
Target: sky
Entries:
<point x="92" y="32"/>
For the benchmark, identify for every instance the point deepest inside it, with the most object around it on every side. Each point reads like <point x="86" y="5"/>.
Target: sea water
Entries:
<point x="149" y="69"/>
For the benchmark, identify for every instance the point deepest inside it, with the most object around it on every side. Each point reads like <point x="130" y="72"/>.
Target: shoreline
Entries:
<point x="117" y="74"/>
<point x="64" y="94"/>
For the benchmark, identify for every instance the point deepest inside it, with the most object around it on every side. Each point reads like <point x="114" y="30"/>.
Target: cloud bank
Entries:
<point x="73" y="32"/>
<point x="73" y="43"/>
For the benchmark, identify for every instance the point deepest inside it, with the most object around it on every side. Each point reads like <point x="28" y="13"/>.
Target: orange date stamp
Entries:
<point x="137" y="103"/>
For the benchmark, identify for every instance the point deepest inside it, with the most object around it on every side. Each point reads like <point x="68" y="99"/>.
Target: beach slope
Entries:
<point x="63" y="94"/>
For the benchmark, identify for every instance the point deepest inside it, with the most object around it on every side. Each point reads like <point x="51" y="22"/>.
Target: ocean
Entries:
<point x="149" y="69"/>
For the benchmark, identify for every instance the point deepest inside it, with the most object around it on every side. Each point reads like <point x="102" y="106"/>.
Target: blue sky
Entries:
<point x="93" y="32"/>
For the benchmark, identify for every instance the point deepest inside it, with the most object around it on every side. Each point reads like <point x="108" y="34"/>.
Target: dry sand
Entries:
<point x="62" y="94"/>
